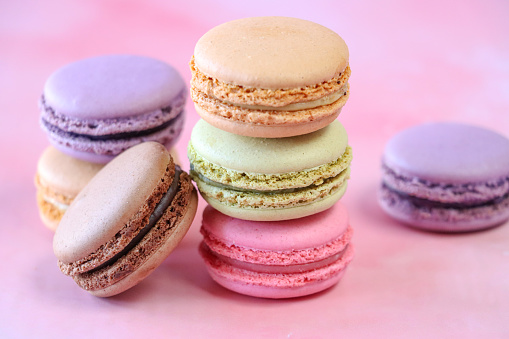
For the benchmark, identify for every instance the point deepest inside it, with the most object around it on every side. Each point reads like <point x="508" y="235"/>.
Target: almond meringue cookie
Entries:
<point x="446" y="177"/>
<point x="281" y="259"/>
<point x="267" y="179"/>
<point x="58" y="180"/>
<point x="270" y="77"/>
<point x="126" y="221"/>
<point x="94" y="109"/>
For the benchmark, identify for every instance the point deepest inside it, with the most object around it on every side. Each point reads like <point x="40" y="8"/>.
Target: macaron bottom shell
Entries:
<point x="266" y="130"/>
<point x="275" y="285"/>
<point x="103" y="151"/>
<point x="274" y="214"/>
<point x="153" y="261"/>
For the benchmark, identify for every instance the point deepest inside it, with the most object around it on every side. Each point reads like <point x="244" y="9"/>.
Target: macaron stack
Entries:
<point x="94" y="109"/>
<point x="270" y="157"/>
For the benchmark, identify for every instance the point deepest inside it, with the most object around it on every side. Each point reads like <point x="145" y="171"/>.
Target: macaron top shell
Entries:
<point x="112" y="86"/>
<point x="451" y="152"/>
<point x="64" y="174"/>
<point x="298" y="234"/>
<point x="108" y="202"/>
<point x="268" y="155"/>
<point x="271" y="53"/>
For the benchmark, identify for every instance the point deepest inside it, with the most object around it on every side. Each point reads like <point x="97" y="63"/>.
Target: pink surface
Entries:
<point x="411" y="62"/>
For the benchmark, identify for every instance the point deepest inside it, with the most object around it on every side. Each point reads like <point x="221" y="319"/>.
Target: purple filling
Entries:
<point x="472" y="193"/>
<point x="421" y="203"/>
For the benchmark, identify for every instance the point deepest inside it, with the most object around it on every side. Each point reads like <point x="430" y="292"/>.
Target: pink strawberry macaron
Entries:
<point x="277" y="259"/>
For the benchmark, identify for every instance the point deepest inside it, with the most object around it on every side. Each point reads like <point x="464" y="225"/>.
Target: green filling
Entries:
<point x="195" y="175"/>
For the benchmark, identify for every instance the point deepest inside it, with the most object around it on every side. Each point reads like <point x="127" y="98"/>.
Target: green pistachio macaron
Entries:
<point x="267" y="179"/>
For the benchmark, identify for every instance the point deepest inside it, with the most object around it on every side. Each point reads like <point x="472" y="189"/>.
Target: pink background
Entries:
<point x="411" y="62"/>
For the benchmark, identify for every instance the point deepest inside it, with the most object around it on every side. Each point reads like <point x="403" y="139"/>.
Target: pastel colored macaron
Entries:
<point x="447" y="177"/>
<point x="269" y="179"/>
<point x="58" y="180"/>
<point x="270" y="77"/>
<point x="126" y="221"/>
<point x="281" y="259"/>
<point x="95" y="108"/>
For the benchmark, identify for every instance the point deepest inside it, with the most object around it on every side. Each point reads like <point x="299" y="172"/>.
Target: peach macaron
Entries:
<point x="270" y="77"/>
<point x="58" y="180"/>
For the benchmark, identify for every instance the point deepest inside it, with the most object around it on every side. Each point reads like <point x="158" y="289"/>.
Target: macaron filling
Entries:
<point x="115" y="136"/>
<point x="298" y="106"/>
<point x="422" y="203"/>
<point x="277" y="257"/>
<point x="202" y="168"/>
<point x="471" y="193"/>
<point x="116" y="129"/>
<point x="208" y="181"/>
<point x="131" y="234"/>
<point x="273" y="268"/>
<point x="158" y="212"/>
<point x="60" y="205"/>
<point x="222" y="269"/>
<point x="237" y="94"/>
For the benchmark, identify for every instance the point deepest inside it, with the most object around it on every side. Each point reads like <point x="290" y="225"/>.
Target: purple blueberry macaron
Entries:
<point x="446" y="177"/>
<point x="95" y="108"/>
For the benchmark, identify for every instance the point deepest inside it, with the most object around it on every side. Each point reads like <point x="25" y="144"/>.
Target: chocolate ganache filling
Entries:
<point x="240" y="189"/>
<point x="158" y="212"/>
<point x="422" y="203"/>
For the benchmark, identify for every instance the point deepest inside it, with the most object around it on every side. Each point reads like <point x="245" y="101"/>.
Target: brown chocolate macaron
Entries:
<point x="126" y="221"/>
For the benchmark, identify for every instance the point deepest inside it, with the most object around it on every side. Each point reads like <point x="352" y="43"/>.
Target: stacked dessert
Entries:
<point x="94" y="109"/>
<point x="270" y="157"/>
